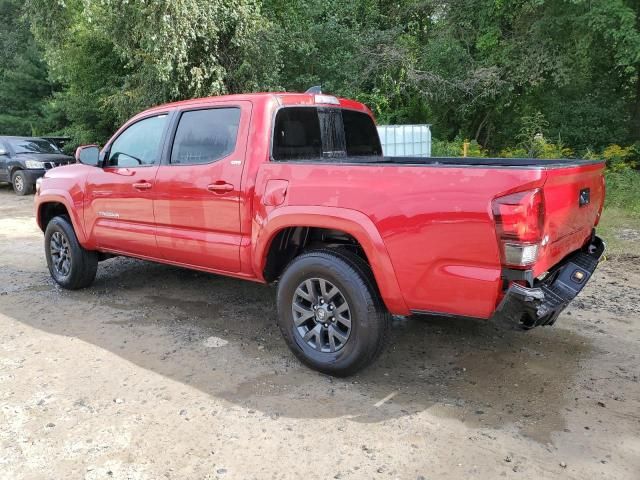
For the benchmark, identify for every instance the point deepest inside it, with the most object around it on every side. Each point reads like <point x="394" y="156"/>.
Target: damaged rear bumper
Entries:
<point x="541" y="304"/>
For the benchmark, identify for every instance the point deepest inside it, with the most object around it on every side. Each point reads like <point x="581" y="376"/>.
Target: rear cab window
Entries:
<point x="312" y="133"/>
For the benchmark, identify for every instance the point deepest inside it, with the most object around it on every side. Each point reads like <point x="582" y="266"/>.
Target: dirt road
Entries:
<point x="157" y="372"/>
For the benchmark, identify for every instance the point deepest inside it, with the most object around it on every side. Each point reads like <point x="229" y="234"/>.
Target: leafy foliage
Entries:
<point x="116" y="57"/>
<point x="24" y="83"/>
<point x="623" y="190"/>
<point x="492" y="71"/>
<point x="619" y="158"/>
<point x="455" y="148"/>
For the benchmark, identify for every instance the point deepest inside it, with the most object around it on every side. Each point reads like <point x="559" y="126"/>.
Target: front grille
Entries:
<point x="50" y="165"/>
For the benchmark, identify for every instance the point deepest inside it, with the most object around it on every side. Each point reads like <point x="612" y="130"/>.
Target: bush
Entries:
<point x="619" y="158"/>
<point x="513" y="152"/>
<point x="623" y="190"/>
<point x="455" y="148"/>
<point x="539" y="148"/>
<point x="554" y="150"/>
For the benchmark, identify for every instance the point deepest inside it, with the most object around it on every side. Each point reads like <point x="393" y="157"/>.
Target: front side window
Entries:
<point x="205" y="136"/>
<point x="307" y="133"/>
<point x="139" y="145"/>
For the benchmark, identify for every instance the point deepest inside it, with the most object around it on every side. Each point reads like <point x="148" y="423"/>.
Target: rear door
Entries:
<point x="120" y="195"/>
<point x="198" y="195"/>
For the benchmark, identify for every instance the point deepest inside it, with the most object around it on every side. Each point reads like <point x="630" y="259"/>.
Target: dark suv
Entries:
<point x="25" y="159"/>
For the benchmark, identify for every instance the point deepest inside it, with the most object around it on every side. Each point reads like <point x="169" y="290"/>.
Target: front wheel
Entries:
<point x="21" y="185"/>
<point x="330" y="312"/>
<point x="70" y="265"/>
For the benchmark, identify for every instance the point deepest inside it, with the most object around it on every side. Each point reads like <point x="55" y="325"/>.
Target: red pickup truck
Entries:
<point x="294" y="189"/>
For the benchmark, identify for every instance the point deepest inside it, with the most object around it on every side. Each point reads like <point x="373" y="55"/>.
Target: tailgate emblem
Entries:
<point x="585" y="197"/>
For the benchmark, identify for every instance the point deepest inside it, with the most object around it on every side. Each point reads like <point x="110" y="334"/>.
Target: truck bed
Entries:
<point x="537" y="163"/>
<point x="491" y="162"/>
<point x="436" y="221"/>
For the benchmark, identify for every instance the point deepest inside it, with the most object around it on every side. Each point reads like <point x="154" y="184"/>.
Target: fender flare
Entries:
<point x="12" y="167"/>
<point x="63" y="197"/>
<point x="353" y="222"/>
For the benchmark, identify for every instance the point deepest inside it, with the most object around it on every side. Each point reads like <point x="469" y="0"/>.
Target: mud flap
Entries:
<point x="527" y="308"/>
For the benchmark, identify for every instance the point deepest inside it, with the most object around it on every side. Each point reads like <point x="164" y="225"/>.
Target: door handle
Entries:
<point x="220" y="187"/>
<point x="142" y="186"/>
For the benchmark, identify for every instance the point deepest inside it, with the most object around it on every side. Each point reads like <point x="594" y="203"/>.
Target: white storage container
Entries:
<point x="405" y="140"/>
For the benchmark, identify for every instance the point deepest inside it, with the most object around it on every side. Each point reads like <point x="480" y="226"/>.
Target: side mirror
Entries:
<point x="88" y="155"/>
<point x="3" y="151"/>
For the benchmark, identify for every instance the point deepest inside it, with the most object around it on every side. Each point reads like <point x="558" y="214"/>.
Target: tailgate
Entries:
<point x="573" y="199"/>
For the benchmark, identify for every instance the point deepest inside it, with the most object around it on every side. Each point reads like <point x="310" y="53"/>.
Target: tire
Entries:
<point x="334" y="350"/>
<point x="82" y="264"/>
<point x="21" y="185"/>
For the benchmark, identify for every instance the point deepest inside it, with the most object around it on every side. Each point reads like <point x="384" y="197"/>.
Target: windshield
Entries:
<point x="32" y="145"/>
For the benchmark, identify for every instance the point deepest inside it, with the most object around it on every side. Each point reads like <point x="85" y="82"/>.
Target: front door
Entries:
<point x="198" y="194"/>
<point x="120" y="195"/>
<point x="4" y="158"/>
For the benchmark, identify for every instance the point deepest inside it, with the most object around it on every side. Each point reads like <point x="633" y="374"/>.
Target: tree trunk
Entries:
<point x="635" y="114"/>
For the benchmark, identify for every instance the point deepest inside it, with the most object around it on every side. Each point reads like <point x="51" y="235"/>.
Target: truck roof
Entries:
<point x="282" y="98"/>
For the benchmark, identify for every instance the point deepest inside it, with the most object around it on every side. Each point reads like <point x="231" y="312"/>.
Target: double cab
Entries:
<point x="294" y="189"/>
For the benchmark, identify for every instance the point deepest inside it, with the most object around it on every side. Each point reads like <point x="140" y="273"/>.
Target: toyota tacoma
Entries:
<point x="293" y="189"/>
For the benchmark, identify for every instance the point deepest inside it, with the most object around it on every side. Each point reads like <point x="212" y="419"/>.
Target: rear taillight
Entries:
<point x="519" y="221"/>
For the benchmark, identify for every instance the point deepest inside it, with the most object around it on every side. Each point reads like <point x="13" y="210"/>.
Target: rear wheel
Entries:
<point x="70" y="265"/>
<point x="330" y="312"/>
<point x="20" y="183"/>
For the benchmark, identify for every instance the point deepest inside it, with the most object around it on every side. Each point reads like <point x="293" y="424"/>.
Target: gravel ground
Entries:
<point x="157" y="372"/>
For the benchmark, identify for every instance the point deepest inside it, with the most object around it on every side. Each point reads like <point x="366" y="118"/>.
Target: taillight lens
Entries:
<point x="519" y="221"/>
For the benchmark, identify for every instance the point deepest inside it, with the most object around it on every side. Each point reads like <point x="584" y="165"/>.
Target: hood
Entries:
<point x="73" y="170"/>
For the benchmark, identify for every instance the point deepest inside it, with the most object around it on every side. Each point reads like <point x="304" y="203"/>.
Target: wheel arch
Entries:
<point x="13" y="165"/>
<point x="13" y="168"/>
<point x="352" y="223"/>
<point x="58" y="203"/>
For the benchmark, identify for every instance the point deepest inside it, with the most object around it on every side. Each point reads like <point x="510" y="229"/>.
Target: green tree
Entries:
<point x="24" y="83"/>
<point x="475" y="69"/>
<point x="117" y="57"/>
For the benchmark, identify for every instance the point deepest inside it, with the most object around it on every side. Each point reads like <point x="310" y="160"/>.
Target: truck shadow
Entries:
<point x="175" y="322"/>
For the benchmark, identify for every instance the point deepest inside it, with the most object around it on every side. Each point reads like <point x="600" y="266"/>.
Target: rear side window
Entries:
<point x="307" y="133"/>
<point x="204" y="136"/>
<point x="360" y="134"/>
<point x="297" y="134"/>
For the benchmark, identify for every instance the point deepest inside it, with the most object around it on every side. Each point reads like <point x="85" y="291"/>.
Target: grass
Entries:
<point x="623" y="191"/>
<point x="620" y="223"/>
<point x="620" y="229"/>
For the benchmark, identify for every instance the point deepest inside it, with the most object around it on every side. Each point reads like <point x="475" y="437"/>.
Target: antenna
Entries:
<point x="315" y="90"/>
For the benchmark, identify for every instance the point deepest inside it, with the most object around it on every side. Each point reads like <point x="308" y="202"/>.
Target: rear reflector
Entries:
<point x="520" y="255"/>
